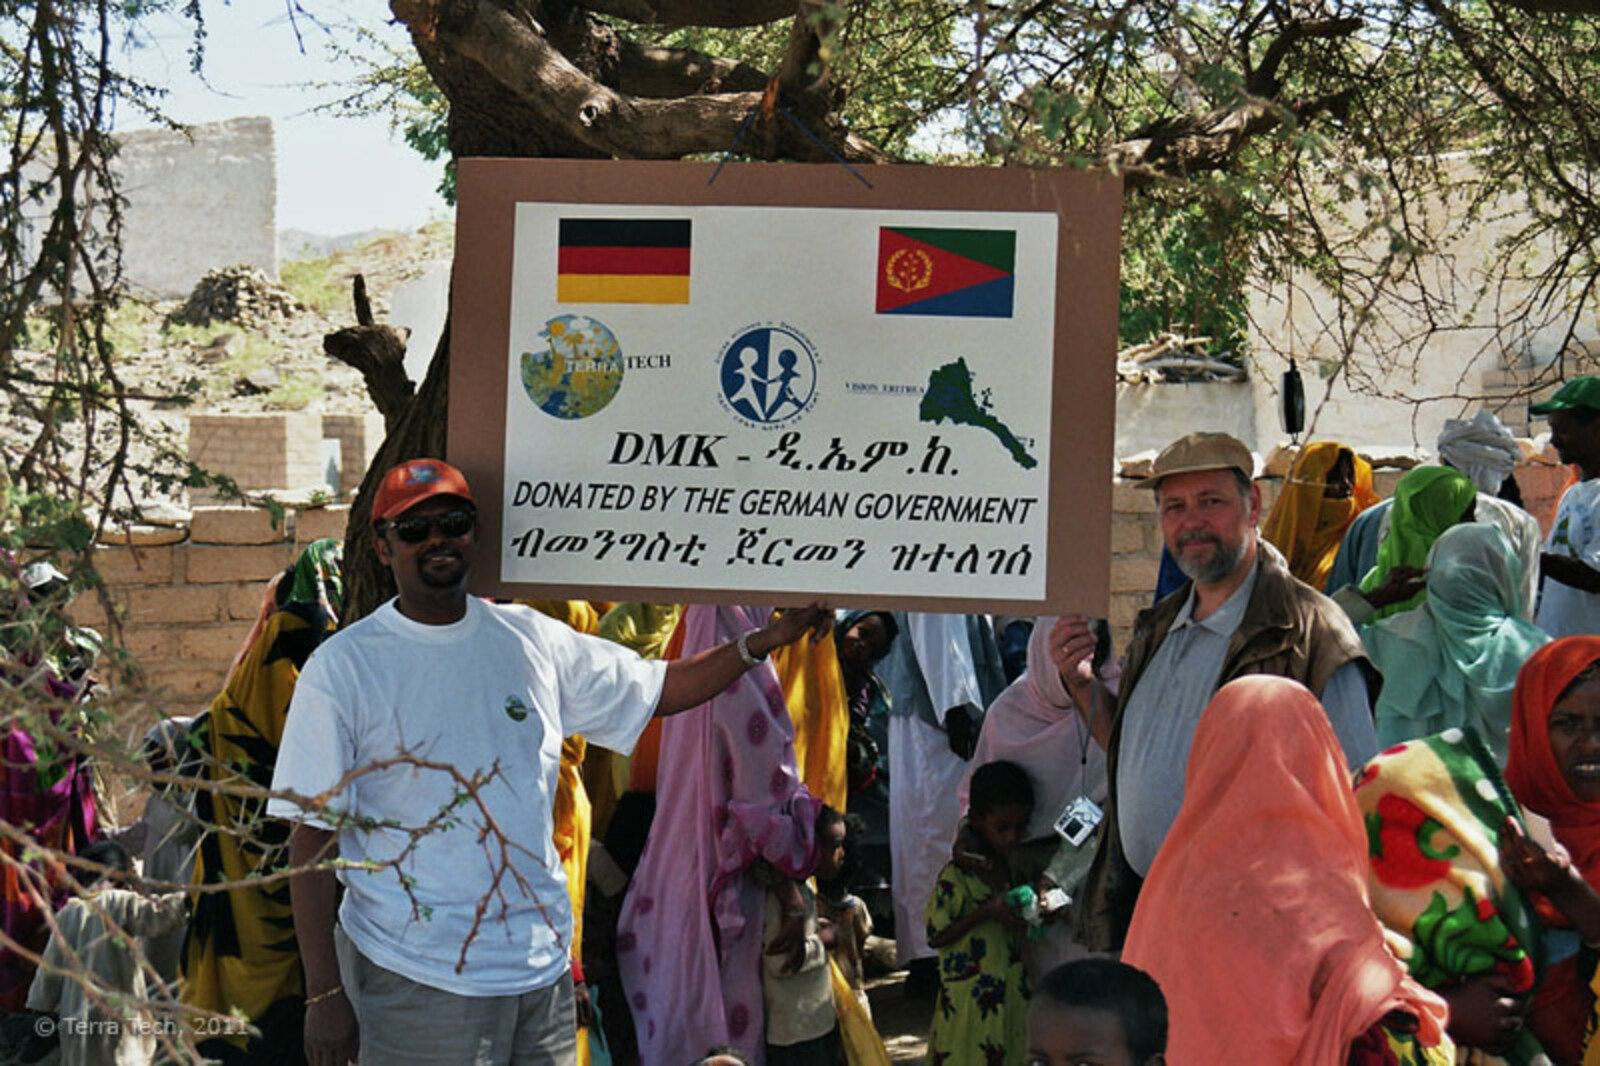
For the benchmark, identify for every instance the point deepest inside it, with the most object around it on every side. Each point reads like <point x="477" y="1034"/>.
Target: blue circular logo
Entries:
<point x="768" y="375"/>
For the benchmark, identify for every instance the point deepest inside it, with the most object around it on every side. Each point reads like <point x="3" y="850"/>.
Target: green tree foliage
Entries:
<point x="1286" y="147"/>
<point x="1263" y="144"/>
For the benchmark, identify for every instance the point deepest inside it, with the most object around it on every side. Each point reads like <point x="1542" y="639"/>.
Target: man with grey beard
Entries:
<point x="1242" y="612"/>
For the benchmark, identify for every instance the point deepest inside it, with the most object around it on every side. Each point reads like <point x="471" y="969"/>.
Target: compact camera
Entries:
<point x="1078" y="821"/>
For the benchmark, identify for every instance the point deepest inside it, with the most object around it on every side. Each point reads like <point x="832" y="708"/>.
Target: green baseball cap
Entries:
<point x="1579" y="392"/>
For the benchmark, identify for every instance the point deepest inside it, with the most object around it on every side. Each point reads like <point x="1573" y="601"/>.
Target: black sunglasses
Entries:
<point x="414" y="528"/>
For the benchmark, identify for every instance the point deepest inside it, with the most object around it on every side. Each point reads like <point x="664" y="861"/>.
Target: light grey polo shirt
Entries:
<point x="1164" y="708"/>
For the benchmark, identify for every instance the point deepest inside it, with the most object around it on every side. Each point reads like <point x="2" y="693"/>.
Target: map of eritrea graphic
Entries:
<point x="950" y="396"/>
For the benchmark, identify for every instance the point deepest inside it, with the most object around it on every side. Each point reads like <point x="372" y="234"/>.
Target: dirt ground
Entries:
<point x="902" y="1023"/>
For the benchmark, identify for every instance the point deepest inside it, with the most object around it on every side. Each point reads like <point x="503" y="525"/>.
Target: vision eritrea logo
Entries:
<point x="767" y="375"/>
<point x="580" y="370"/>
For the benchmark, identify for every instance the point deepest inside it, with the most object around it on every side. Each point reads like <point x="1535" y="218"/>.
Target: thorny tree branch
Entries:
<point x="39" y="868"/>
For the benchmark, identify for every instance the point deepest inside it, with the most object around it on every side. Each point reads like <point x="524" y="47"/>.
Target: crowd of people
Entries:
<point x="1337" y="801"/>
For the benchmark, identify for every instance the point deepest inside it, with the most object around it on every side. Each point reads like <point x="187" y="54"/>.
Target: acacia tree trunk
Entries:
<point x="417" y="431"/>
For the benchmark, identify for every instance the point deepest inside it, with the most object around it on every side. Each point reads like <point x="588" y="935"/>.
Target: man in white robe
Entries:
<point x="941" y="672"/>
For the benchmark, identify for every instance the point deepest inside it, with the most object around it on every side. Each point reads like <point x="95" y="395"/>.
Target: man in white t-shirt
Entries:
<point x="1570" y="602"/>
<point x="422" y="747"/>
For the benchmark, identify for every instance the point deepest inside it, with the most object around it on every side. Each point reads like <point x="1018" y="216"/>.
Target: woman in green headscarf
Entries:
<point x="1427" y="501"/>
<point x="1453" y="660"/>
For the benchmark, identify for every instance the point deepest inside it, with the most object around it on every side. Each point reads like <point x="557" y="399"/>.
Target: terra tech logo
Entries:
<point x="767" y="375"/>
<point x="579" y="371"/>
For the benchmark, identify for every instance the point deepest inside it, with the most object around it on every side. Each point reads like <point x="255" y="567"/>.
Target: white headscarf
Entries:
<point x="1035" y="724"/>
<point x="1481" y="448"/>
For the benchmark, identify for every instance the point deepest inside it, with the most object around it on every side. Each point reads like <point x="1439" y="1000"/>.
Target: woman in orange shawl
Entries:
<point x="1327" y="487"/>
<point x="1550" y="770"/>
<point x="1255" y="918"/>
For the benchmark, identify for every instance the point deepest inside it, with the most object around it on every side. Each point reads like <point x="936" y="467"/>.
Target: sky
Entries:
<point x="335" y="175"/>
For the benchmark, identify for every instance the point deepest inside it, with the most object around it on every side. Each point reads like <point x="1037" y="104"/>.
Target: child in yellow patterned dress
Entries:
<point x="980" y="1015"/>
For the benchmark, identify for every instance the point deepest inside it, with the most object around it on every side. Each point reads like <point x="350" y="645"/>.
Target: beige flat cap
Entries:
<point x="1201" y="451"/>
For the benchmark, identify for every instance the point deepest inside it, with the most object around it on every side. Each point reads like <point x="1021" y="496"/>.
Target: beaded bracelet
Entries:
<point x="327" y="994"/>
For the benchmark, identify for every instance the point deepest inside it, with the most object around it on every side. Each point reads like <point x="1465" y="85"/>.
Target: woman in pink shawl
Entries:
<point x="1035" y="724"/>
<point x="689" y="940"/>
<point x="46" y="789"/>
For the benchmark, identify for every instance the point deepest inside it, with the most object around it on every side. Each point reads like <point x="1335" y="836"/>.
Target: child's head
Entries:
<point x="838" y="887"/>
<point x="722" y="1055"/>
<point x="166" y="743"/>
<point x="830" y="843"/>
<point x="999" y="803"/>
<point x="1097" y="1011"/>
<point x="108" y="853"/>
<point x="863" y="638"/>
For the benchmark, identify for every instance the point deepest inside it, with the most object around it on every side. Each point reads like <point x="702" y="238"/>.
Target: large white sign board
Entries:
<point x="755" y="390"/>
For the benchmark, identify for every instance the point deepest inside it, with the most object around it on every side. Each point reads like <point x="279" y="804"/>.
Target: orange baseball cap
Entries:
<point x="411" y="482"/>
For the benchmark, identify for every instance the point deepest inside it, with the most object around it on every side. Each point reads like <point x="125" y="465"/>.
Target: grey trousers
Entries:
<point x="405" y="1022"/>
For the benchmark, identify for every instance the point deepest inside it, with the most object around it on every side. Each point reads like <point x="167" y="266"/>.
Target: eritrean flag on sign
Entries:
<point x="966" y="273"/>
<point x="623" y="261"/>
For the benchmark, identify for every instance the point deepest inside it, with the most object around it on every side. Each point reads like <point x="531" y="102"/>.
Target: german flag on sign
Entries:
<point x="623" y="261"/>
<point x="958" y="273"/>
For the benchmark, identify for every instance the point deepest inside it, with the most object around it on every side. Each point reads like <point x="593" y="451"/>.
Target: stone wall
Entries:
<point x="197" y="200"/>
<point x="1450" y="361"/>
<point x="187" y="595"/>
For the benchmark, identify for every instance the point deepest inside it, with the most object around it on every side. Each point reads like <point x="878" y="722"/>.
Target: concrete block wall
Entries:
<point x="195" y="200"/>
<point x="359" y="437"/>
<point x="283" y="451"/>
<point x="187" y="596"/>
<point x="271" y="451"/>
